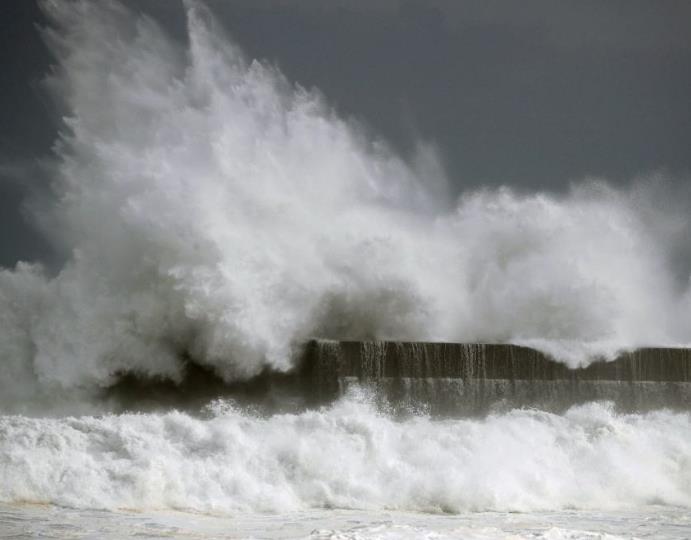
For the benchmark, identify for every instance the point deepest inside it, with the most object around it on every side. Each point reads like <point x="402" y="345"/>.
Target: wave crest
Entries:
<point x="210" y="208"/>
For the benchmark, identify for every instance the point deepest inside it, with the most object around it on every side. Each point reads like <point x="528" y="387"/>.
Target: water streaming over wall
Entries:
<point x="451" y="378"/>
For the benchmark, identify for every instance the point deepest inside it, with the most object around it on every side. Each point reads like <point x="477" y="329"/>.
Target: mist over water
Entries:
<point x="208" y="207"/>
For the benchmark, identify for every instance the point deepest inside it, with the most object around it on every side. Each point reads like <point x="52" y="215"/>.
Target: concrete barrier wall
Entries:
<point x="471" y="378"/>
<point x="439" y="378"/>
<point x="377" y="359"/>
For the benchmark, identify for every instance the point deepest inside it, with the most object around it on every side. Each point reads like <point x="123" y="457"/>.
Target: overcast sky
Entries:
<point x="531" y="94"/>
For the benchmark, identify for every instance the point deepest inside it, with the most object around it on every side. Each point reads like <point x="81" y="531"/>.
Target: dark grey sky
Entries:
<point x="533" y="94"/>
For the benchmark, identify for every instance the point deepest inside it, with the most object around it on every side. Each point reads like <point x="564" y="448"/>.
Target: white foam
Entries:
<point x="404" y="532"/>
<point x="349" y="456"/>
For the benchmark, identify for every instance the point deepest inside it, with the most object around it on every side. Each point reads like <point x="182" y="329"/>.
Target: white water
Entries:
<point x="206" y="205"/>
<point x="349" y="457"/>
<point x="51" y="522"/>
<point x="348" y="472"/>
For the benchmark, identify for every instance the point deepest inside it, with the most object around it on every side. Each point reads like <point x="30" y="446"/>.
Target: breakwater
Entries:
<point x="439" y="378"/>
<point x="451" y="378"/>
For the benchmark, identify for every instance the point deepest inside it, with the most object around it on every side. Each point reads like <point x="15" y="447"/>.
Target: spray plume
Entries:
<point x="208" y="207"/>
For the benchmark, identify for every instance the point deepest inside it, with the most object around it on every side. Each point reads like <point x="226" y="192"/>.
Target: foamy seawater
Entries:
<point x="24" y="521"/>
<point x="349" y="456"/>
<point x="348" y="471"/>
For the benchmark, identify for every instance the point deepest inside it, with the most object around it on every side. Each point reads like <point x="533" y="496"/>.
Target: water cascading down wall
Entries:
<point x="453" y="378"/>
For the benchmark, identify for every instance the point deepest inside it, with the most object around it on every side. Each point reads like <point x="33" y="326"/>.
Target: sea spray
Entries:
<point x="209" y="209"/>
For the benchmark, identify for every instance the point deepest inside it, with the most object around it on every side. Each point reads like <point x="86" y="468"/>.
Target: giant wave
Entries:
<point x="207" y="208"/>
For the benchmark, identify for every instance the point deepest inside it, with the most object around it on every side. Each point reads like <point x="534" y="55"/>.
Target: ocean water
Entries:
<point x="50" y="522"/>
<point x="348" y="471"/>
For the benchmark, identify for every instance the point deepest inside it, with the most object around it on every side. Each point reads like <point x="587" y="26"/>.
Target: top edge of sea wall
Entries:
<point x="331" y="359"/>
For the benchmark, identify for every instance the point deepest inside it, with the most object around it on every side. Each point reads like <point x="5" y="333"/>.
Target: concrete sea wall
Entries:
<point x="438" y="378"/>
<point x="453" y="378"/>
